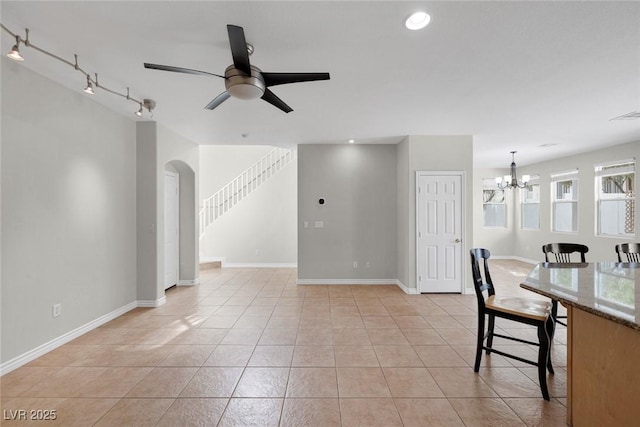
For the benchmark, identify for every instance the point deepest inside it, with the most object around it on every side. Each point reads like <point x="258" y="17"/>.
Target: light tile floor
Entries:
<point x="249" y="347"/>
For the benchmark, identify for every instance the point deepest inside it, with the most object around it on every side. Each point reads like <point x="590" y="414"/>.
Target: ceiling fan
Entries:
<point x="243" y="80"/>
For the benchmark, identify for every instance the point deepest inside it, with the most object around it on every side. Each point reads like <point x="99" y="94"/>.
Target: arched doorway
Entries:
<point x="180" y="212"/>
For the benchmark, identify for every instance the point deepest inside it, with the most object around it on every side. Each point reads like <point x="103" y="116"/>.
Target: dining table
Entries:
<point x="603" y="337"/>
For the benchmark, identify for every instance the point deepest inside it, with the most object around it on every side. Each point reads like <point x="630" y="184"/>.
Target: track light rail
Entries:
<point x="91" y="82"/>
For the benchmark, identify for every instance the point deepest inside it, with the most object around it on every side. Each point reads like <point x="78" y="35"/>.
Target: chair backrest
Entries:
<point x="631" y="250"/>
<point x="562" y="251"/>
<point x="480" y="283"/>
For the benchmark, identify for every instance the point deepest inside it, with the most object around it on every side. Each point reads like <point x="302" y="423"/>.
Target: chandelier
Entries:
<point x="511" y="181"/>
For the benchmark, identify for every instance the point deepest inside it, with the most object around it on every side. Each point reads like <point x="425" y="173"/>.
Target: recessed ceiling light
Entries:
<point x="417" y="20"/>
<point x="351" y="141"/>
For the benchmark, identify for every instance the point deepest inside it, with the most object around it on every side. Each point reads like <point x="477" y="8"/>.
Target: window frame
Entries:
<point x="610" y="169"/>
<point x="557" y="177"/>
<point x="533" y="181"/>
<point x="490" y="184"/>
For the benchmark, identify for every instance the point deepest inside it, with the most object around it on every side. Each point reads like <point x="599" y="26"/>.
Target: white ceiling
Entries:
<point x="515" y="75"/>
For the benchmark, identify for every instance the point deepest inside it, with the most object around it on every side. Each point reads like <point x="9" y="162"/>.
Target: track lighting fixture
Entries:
<point x="14" y="54"/>
<point x="15" y="51"/>
<point x="89" y="88"/>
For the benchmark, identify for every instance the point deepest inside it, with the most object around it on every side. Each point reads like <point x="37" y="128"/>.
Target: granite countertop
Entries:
<point x="606" y="289"/>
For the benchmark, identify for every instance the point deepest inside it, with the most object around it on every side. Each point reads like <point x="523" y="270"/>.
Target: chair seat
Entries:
<point x="525" y="307"/>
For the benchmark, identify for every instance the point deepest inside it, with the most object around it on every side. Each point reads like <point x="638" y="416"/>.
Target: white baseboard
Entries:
<point x="152" y="303"/>
<point x="517" y="258"/>
<point x="346" y="281"/>
<point x="189" y="282"/>
<point x="33" y="354"/>
<point x="259" y="265"/>
<point x="204" y="259"/>
<point x="408" y="291"/>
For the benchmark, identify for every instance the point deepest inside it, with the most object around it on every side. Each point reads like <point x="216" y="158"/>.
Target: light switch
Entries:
<point x="319" y="224"/>
<point x="306" y="224"/>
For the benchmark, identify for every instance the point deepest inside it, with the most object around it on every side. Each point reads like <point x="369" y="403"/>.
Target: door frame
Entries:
<point x="463" y="220"/>
<point x="177" y="208"/>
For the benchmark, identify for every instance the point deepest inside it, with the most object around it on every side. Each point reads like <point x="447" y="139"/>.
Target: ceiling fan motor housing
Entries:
<point x="241" y="86"/>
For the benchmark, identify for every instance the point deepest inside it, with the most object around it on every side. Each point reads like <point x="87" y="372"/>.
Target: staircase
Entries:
<point x="243" y="185"/>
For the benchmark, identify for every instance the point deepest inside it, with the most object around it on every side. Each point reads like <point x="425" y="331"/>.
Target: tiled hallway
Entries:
<point x="250" y="347"/>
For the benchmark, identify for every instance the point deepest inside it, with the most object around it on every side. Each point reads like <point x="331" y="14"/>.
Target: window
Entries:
<point x="494" y="209"/>
<point x="615" y="183"/>
<point x="530" y="204"/>
<point x="564" y="193"/>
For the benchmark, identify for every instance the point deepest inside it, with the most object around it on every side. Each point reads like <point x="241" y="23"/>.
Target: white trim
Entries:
<point x="463" y="220"/>
<point x="193" y="282"/>
<point x="205" y="259"/>
<point x="347" y="281"/>
<point x="152" y="303"/>
<point x="408" y="291"/>
<point x="33" y="354"/>
<point x="177" y="208"/>
<point x="259" y="265"/>
<point x="517" y="258"/>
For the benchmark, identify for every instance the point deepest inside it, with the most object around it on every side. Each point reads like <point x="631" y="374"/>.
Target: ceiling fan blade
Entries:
<point x="218" y="100"/>
<point x="273" y="79"/>
<point x="272" y="99"/>
<point x="178" y="69"/>
<point x="239" y="50"/>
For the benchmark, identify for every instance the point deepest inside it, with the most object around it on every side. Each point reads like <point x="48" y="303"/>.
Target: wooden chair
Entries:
<point x="631" y="250"/>
<point x="524" y="310"/>
<point x="562" y="253"/>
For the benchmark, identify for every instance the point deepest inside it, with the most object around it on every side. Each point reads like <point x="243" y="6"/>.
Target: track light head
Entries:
<point x="15" y="51"/>
<point x="139" y="112"/>
<point x="89" y="88"/>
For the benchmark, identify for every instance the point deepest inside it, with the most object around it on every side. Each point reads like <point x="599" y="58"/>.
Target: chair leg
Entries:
<point x="476" y="367"/>
<point x="543" y="355"/>
<point x="550" y="326"/>
<point x="492" y="322"/>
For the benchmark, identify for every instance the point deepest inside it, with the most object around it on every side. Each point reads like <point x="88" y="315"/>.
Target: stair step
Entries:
<point x="210" y="265"/>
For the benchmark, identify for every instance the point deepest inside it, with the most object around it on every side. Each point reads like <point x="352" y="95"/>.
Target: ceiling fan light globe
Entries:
<point x="241" y="86"/>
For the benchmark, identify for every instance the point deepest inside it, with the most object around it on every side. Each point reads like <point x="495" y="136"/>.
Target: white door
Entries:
<point x="439" y="228"/>
<point x="171" y="240"/>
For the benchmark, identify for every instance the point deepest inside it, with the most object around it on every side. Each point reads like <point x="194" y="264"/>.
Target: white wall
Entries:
<point x="68" y="210"/>
<point x="358" y="183"/>
<point x="261" y="228"/>
<point x="528" y="244"/>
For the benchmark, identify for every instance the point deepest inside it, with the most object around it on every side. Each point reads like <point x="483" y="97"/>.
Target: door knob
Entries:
<point x="457" y="240"/>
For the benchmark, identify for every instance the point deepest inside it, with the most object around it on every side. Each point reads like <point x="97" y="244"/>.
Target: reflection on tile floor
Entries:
<point x="250" y="347"/>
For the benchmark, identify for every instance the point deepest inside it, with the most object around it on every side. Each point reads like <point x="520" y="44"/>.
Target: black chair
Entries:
<point x="631" y="250"/>
<point x="562" y="253"/>
<point x="524" y="310"/>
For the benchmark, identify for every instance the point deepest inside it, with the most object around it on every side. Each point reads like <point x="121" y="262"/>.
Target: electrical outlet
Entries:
<point x="57" y="310"/>
<point x="355" y="264"/>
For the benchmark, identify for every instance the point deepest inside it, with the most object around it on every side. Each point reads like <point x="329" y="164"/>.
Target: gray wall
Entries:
<point x="183" y="154"/>
<point x="262" y="228"/>
<point x="358" y="183"/>
<point x="499" y="240"/>
<point x="429" y="153"/>
<point x="68" y="210"/>
<point x="527" y="243"/>
<point x="157" y="147"/>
